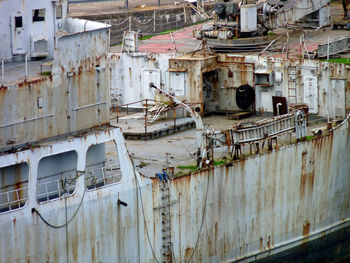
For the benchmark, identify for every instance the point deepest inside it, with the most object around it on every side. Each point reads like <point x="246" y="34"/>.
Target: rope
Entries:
<point x="201" y="226"/>
<point x="143" y="212"/>
<point x="34" y="210"/>
<point x="170" y="23"/>
<point x="143" y="23"/>
<point x="119" y="24"/>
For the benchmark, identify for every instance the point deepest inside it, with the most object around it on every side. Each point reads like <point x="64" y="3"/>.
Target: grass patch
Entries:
<point x="338" y="60"/>
<point x="309" y="138"/>
<point x="187" y="167"/>
<point x="46" y="73"/>
<point x="143" y="164"/>
<point x="219" y="162"/>
<point x="270" y="33"/>
<point x="146" y="37"/>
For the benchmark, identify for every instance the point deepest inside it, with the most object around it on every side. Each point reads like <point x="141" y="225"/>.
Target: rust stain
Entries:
<point x="93" y="256"/>
<point x="303" y="175"/>
<point x="261" y="243"/>
<point x="269" y="242"/>
<point x="3" y="88"/>
<point x="306" y="228"/>
<point x="302" y="185"/>
<point x="188" y="253"/>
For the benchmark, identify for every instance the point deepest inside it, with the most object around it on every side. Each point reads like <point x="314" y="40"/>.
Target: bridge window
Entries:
<point x="59" y="12"/>
<point x="13" y="186"/>
<point x="18" y="22"/>
<point x="102" y="165"/>
<point x="57" y="176"/>
<point x="38" y="15"/>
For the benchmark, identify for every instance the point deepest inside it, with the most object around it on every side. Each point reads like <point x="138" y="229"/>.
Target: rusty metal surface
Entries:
<point x="265" y="201"/>
<point x="256" y="205"/>
<point x="72" y="98"/>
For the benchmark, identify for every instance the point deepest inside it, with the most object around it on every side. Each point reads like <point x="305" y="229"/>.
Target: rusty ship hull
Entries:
<point x="242" y="211"/>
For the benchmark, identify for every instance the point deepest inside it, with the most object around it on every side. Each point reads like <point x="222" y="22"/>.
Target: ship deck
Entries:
<point x="15" y="72"/>
<point x="178" y="150"/>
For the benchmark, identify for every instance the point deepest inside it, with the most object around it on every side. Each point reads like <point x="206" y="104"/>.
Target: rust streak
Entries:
<point x="306" y="228"/>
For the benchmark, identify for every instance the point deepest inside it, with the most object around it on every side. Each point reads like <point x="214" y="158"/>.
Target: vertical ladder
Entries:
<point x="167" y="245"/>
<point x="292" y="86"/>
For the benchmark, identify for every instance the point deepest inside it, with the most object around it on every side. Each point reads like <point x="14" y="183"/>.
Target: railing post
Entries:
<point x="117" y="113"/>
<point x="127" y="109"/>
<point x="2" y="72"/>
<point x="126" y="4"/>
<point x="146" y="116"/>
<point x="154" y="21"/>
<point x="26" y="67"/>
<point x="174" y="120"/>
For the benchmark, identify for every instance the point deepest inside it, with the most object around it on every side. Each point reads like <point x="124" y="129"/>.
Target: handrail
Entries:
<point x="146" y="109"/>
<point x="14" y="203"/>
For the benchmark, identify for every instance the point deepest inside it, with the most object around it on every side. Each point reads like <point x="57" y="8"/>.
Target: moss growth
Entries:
<point x="145" y="37"/>
<point x="143" y="164"/>
<point x="219" y="162"/>
<point x="338" y="60"/>
<point x="46" y="73"/>
<point x="188" y="167"/>
<point x="180" y="173"/>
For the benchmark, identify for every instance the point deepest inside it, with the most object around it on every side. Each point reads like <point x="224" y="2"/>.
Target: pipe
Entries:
<point x="328" y="50"/>
<point x="2" y="72"/>
<point x="278" y="105"/>
<point x="200" y="141"/>
<point x="26" y="67"/>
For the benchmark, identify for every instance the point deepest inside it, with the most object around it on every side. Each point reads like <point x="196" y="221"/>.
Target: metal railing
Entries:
<point x="13" y="199"/>
<point x="54" y="189"/>
<point x="131" y="3"/>
<point x="263" y="130"/>
<point x="171" y="106"/>
<point x="102" y="176"/>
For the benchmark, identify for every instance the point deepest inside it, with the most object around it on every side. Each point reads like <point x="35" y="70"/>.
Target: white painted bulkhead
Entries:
<point x="322" y="86"/>
<point x="131" y="72"/>
<point x="261" y="204"/>
<point x="28" y="27"/>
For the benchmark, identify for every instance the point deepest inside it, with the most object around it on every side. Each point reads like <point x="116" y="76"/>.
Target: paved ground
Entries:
<point x="184" y="40"/>
<point x="119" y="6"/>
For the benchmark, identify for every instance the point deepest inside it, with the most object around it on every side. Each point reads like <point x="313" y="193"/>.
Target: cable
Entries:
<point x="143" y="212"/>
<point x="119" y="24"/>
<point x="67" y="222"/>
<point x="201" y="226"/>
<point x="143" y="22"/>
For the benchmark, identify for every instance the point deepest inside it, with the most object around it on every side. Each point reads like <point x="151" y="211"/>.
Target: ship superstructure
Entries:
<point x="70" y="191"/>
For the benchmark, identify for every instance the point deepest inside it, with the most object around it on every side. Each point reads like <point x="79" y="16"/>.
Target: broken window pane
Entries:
<point x="13" y="186"/>
<point x="102" y="165"/>
<point x="18" y="22"/>
<point x="38" y="15"/>
<point x="59" y="12"/>
<point x="56" y="176"/>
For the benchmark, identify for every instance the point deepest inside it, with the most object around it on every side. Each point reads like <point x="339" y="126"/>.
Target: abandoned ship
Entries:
<point x="242" y="128"/>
